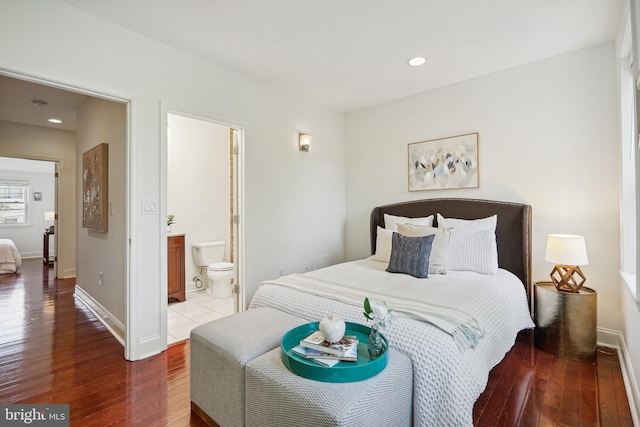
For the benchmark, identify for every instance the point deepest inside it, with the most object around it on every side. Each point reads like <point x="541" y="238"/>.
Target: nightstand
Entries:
<point x="565" y="321"/>
<point x="45" y="246"/>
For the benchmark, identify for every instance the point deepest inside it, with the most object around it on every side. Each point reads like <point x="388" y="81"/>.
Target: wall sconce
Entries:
<point x="568" y="252"/>
<point x="305" y="141"/>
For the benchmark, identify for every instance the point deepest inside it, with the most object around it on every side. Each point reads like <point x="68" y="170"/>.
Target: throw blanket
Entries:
<point x="7" y="250"/>
<point x="464" y="329"/>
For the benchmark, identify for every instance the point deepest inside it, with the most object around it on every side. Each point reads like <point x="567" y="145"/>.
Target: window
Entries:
<point x="14" y="202"/>
<point x="628" y="141"/>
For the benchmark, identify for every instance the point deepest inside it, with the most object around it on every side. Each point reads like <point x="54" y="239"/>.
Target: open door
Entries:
<point x="238" y="289"/>
<point x="205" y="156"/>
<point x="55" y="221"/>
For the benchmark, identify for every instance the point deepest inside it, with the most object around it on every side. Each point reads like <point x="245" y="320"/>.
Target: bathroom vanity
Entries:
<point x="175" y="266"/>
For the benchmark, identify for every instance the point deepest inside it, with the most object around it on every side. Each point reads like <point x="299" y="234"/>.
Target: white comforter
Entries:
<point x="10" y="259"/>
<point x="447" y="381"/>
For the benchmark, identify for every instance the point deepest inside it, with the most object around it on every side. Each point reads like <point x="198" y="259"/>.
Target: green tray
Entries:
<point x="342" y="372"/>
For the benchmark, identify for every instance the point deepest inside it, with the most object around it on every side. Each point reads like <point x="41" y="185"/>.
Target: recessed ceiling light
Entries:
<point x="56" y="121"/>
<point x="38" y="103"/>
<point x="416" y="61"/>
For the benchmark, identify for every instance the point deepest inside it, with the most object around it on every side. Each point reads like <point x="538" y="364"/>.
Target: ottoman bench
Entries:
<point x="219" y="351"/>
<point x="277" y="397"/>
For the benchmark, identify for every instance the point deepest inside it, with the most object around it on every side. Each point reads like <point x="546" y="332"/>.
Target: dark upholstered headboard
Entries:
<point x="513" y="232"/>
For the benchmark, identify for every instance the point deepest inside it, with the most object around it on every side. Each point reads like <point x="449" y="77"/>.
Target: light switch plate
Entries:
<point x="149" y="207"/>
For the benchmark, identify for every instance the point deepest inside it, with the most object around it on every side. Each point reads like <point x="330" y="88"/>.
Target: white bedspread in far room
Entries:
<point x="10" y="258"/>
<point x="447" y="380"/>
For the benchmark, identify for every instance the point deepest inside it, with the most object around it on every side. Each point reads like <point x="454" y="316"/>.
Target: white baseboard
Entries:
<point x="191" y="287"/>
<point x="67" y="274"/>
<point x="113" y="325"/>
<point x="31" y="255"/>
<point x="630" y="384"/>
<point x="611" y="338"/>
<point x="608" y="337"/>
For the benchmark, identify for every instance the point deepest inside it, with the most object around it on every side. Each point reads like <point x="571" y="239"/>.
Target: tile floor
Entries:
<point x="199" y="308"/>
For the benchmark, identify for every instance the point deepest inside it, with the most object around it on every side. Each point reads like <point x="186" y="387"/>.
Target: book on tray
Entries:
<point x="303" y="351"/>
<point x="351" y="355"/>
<point x="345" y="349"/>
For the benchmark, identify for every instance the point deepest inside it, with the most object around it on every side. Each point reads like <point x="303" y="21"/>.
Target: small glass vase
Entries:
<point x="375" y="345"/>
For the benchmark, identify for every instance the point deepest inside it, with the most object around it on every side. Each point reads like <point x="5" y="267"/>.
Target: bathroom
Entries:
<point x="200" y="197"/>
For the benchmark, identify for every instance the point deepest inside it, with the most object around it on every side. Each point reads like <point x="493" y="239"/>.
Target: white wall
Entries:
<point x="102" y="256"/>
<point x="29" y="238"/>
<point x="56" y="145"/>
<point x="294" y="201"/>
<point x="198" y="185"/>
<point x="629" y="172"/>
<point x="548" y="137"/>
<point x="630" y="314"/>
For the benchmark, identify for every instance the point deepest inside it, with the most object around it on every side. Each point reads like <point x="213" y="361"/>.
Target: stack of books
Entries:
<point x="314" y="347"/>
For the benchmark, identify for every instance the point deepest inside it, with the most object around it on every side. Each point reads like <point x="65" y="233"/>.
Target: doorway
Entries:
<point x="27" y="213"/>
<point x="80" y="118"/>
<point x="202" y="194"/>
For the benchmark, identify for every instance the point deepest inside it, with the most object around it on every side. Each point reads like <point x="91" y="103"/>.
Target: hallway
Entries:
<point x="53" y="350"/>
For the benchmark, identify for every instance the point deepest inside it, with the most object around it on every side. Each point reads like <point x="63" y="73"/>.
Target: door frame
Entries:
<point x="131" y="337"/>
<point x="55" y="220"/>
<point x="238" y="196"/>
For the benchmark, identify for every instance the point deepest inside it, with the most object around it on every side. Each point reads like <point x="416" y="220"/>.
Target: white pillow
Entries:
<point x="412" y="230"/>
<point x="488" y="223"/>
<point x="391" y="221"/>
<point x="473" y="251"/>
<point x="466" y="248"/>
<point x="383" y="245"/>
<point x="439" y="249"/>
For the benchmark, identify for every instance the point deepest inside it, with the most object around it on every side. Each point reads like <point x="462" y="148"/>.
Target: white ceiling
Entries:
<point x="351" y="54"/>
<point x="16" y="104"/>
<point x="346" y="54"/>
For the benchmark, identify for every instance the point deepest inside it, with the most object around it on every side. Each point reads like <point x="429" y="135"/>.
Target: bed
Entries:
<point x="455" y="327"/>
<point x="10" y="259"/>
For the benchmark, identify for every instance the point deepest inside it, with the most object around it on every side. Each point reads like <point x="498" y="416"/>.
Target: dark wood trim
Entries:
<point x="203" y="415"/>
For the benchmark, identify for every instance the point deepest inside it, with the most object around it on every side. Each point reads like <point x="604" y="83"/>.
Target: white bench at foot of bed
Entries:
<point x="238" y="379"/>
<point x="277" y="397"/>
<point x="219" y="352"/>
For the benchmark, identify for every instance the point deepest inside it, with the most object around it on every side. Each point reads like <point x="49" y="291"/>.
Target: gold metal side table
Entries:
<point x="565" y="321"/>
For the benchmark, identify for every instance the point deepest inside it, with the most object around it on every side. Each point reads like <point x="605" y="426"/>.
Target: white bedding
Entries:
<point x="10" y="259"/>
<point x="447" y="381"/>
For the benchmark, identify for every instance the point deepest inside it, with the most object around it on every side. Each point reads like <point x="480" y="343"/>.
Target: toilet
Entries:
<point x="219" y="273"/>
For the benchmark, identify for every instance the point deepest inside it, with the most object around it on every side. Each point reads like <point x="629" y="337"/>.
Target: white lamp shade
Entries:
<point x="50" y="216"/>
<point x="566" y="249"/>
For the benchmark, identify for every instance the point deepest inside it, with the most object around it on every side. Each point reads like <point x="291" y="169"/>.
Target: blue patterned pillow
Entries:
<point x="410" y="255"/>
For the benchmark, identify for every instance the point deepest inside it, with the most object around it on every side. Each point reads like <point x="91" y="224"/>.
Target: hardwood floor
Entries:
<point x="533" y="388"/>
<point x="53" y="350"/>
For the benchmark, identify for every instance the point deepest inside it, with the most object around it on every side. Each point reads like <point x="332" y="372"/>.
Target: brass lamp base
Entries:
<point x="568" y="278"/>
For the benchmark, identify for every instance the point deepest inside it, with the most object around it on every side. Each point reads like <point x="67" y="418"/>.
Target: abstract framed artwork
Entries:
<point x="95" y="188"/>
<point x="444" y="163"/>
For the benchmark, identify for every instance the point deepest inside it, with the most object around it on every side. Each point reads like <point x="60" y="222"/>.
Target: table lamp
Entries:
<point x="568" y="252"/>
<point x="50" y="216"/>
